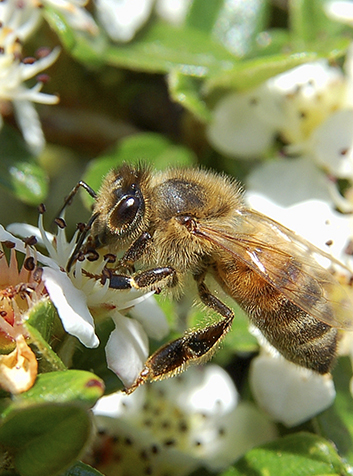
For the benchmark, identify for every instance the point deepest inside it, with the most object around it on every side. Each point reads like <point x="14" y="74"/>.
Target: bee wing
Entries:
<point x="287" y="262"/>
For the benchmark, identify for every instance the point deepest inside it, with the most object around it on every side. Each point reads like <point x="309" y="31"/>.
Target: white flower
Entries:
<point x="289" y="393"/>
<point x="297" y="195"/>
<point x="177" y="425"/>
<point x="75" y="14"/>
<point x="238" y="127"/>
<point x="78" y="297"/>
<point x="14" y="73"/>
<point x="123" y="18"/>
<point x="341" y="11"/>
<point x="19" y="20"/>
<point x="291" y="105"/>
<point x="173" y="11"/>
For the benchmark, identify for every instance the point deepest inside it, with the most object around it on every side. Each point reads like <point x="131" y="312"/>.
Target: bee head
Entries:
<point x="120" y="206"/>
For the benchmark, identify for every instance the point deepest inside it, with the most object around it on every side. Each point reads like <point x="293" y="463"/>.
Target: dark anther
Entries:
<point x="81" y="227"/>
<point x="30" y="241"/>
<point x="60" y="222"/>
<point x="9" y="244"/>
<point x="29" y="263"/>
<point x="42" y="208"/>
<point x="81" y="256"/>
<point x="110" y="258"/>
<point x="28" y="60"/>
<point x="92" y="255"/>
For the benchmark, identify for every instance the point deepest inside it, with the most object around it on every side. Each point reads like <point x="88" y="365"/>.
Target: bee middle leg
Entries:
<point x="193" y="347"/>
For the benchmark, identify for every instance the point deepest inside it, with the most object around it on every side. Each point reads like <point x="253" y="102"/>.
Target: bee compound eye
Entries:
<point x="125" y="212"/>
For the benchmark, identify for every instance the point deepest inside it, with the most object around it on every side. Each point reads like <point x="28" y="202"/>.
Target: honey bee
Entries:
<point x="183" y="222"/>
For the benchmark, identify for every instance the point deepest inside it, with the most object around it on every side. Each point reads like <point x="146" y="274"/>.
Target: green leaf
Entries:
<point x="81" y="469"/>
<point x="202" y="18"/>
<point x="253" y="72"/>
<point x="44" y="439"/>
<point x="19" y="173"/>
<point x="301" y="454"/>
<point x="40" y="325"/>
<point x="186" y="91"/>
<point x="310" y="24"/>
<point x="48" y="360"/>
<point x="149" y="148"/>
<point x="164" y="48"/>
<point x="41" y="316"/>
<point x="70" y="386"/>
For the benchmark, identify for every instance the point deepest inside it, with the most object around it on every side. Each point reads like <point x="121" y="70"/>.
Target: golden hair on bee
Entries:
<point x="192" y="222"/>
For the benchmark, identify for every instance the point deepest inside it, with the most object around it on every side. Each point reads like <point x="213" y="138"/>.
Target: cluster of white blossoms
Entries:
<point x="19" y="20"/>
<point x="177" y="425"/>
<point x="310" y="109"/>
<point x="80" y="298"/>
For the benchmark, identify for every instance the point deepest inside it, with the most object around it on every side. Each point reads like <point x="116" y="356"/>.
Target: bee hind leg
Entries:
<point x="194" y="346"/>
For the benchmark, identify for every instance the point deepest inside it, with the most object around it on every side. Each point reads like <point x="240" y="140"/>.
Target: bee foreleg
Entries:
<point x="136" y="251"/>
<point x="156" y="279"/>
<point x="161" y="277"/>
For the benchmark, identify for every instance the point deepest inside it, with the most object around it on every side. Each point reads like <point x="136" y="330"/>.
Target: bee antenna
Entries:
<point x="70" y="197"/>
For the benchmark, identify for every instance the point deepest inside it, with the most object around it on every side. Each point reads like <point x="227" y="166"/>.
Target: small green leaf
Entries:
<point x="19" y="173"/>
<point x="301" y="454"/>
<point x="45" y="439"/>
<point x="309" y="22"/>
<point x="48" y="360"/>
<point x="41" y="317"/>
<point x="70" y="386"/>
<point x="81" y="469"/>
<point x="186" y="91"/>
<point x="203" y="18"/>
<point x="252" y="72"/>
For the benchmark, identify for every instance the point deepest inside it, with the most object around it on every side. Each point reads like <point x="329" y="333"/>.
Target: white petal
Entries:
<point x="287" y="182"/>
<point x="119" y="405"/>
<point x="313" y="220"/>
<point x="173" y="11"/>
<point x="20" y="246"/>
<point x="308" y="79"/>
<point x="24" y="230"/>
<point x="71" y="305"/>
<point x="332" y="144"/>
<point x="206" y="389"/>
<point x="340" y="11"/>
<point x="290" y="394"/>
<point x="30" y="125"/>
<point x="237" y="128"/>
<point x="151" y="316"/>
<point x="122" y="18"/>
<point x="126" y="349"/>
<point x="244" y="428"/>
